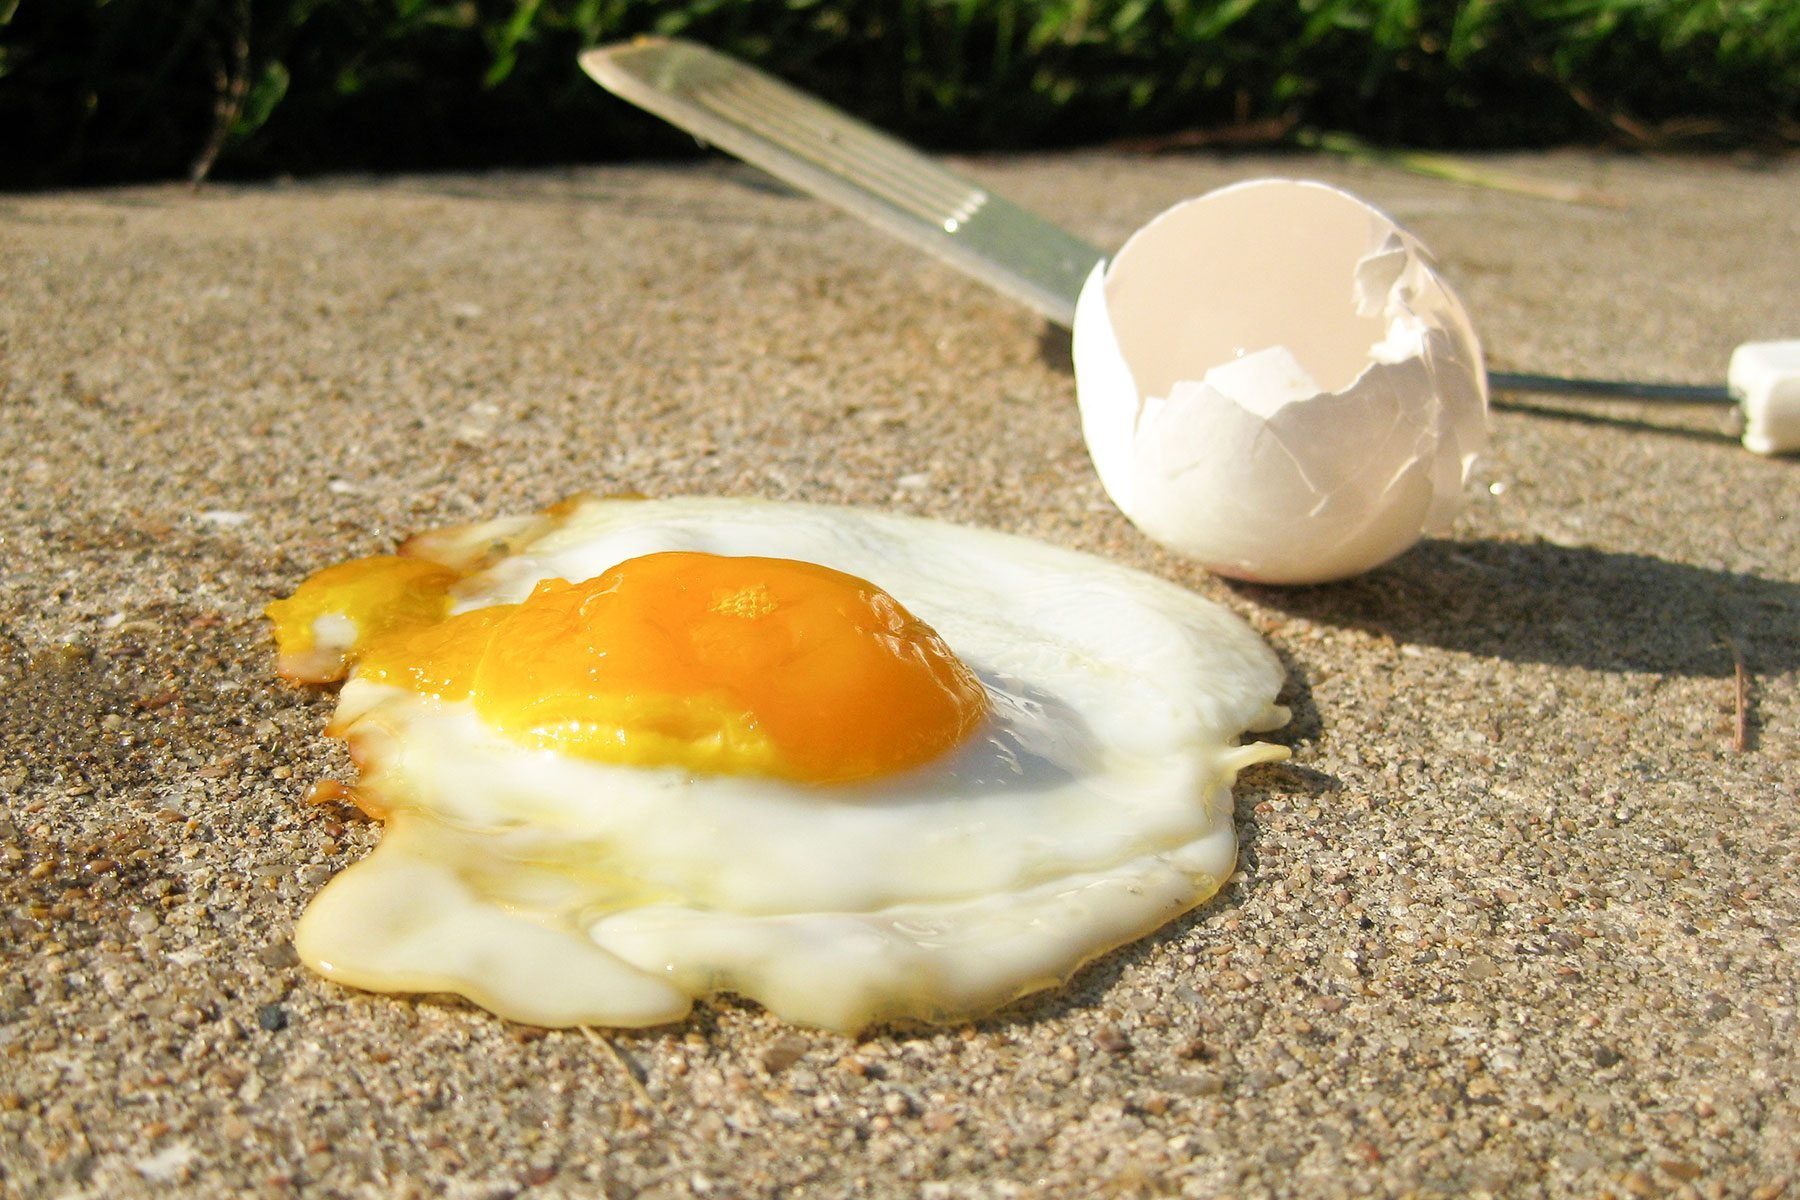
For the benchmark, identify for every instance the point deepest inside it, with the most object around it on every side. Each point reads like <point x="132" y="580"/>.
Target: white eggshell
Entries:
<point x="1274" y="381"/>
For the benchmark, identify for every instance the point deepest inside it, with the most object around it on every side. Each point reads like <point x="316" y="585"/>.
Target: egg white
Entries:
<point x="1093" y="807"/>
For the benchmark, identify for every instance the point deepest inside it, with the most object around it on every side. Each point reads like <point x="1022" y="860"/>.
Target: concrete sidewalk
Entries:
<point x="1517" y="919"/>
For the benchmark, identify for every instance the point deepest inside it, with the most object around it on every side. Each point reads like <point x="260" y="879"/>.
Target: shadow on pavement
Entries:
<point x="1535" y="602"/>
<point x="1612" y="420"/>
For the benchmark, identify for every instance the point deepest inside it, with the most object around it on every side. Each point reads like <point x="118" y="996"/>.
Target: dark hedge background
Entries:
<point x="105" y="90"/>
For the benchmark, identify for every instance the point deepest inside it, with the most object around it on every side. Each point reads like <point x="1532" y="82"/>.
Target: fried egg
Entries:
<point x="854" y="766"/>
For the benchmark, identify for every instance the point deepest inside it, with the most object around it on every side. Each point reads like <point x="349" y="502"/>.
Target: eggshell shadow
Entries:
<point x="1536" y="602"/>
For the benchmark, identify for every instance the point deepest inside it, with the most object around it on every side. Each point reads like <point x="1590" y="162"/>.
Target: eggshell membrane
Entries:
<point x="1094" y="806"/>
<point x="1274" y="380"/>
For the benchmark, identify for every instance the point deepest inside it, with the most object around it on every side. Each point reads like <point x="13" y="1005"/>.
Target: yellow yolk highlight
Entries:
<point x="319" y="628"/>
<point x="758" y="666"/>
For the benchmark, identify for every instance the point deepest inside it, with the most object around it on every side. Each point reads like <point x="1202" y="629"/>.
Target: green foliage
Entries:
<point x="113" y="89"/>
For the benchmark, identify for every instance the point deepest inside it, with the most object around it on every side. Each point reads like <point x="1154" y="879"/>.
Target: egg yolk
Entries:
<point x="353" y="604"/>
<point x="737" y="665"/>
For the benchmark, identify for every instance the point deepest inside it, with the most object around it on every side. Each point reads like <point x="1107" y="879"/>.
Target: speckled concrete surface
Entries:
<point x="1518" y="919"/>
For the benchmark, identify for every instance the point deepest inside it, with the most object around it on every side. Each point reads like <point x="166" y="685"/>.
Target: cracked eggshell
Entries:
<point x="1274" y="381"/>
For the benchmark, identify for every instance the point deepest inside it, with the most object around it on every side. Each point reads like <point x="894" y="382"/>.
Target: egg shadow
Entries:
<point x="1567" y="606"/>
<point x="1056" y="349"/>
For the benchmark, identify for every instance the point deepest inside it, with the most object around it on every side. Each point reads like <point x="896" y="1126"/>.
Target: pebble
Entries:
<point x="278" y="955"/>
<point x="272" y="1017"/>
<point x="1204" y="1083"/>
<point x="784" y="1053"/>
<point x="938" y="1120"/>
<point x="1112" y="1039"/>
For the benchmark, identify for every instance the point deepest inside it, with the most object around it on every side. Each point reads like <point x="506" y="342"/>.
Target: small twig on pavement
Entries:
<point x="630" y="1073"/>
<point x="1740" y="737"/>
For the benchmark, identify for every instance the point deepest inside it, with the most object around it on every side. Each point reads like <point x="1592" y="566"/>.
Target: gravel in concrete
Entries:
<point x="1517" y="919"/>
